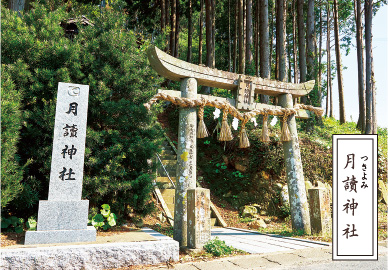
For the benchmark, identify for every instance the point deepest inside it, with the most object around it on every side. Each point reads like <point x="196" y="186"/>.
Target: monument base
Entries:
<point x="62" y="222"/>
<point x="60" y="236"/>
<point x="62" y="215"/>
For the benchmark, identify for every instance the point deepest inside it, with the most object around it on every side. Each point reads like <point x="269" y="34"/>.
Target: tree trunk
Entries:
<point x="235" y="54"/>
<point x="173" y="26"/>
<point x="374" y="115"/>
<point x="296" y="73"/>
<point x="339" y="65"/>
<point x="369" y="129"/>
<point x="209" y="32"/>
<point x="229" y="41"/>
<point x="276" y="44"/>
<point x="328" y="73"/>
<point x="189" y="32"/>
<point x="176" y="54"/>
<point x="264" y="46"/>
<point x="249" y="32"/>
<point x="162" y="16"/>
<point x="241" y="55"/>
<point x="200" y="33"/>
<point x="167" y="20"/>
<point x="256" y="41"/>
<point x="209" y="39"/>
<point x="302" y="45"/>
<point x="360" y="65"/>
<point x="213" y="12"/>
<point x="281" y="38"/>
<point x="289" y="77"/>
<point x="271" y="35"/>
<point x="320" y="59"/>
<point x="310" y="38"/>
<point x="16" y="5"/>
<point x="329" y="98"/>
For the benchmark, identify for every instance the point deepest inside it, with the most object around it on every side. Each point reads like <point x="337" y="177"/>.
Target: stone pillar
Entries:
<point x="296" y="187"/>
<point x="186" y="160"/>
<point x="198" y="217"/>
<point x="319" y="201"/>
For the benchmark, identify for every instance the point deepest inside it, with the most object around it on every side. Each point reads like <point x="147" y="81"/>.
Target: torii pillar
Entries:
<point x="186" y="173"/>
<point x="300" y="216"/>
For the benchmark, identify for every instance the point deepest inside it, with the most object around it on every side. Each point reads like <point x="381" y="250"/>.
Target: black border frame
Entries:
<point x="374" y="177"/>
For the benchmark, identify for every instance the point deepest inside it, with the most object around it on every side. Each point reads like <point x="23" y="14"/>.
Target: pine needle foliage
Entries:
<point x="121" y="134"/>
<point x="11" y="123"/>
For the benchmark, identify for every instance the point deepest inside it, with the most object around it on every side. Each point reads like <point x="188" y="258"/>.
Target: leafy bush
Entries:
<point x="12" y="224"/>
<point x="121" y="134"/>
<point x="218" y="248"/>
<point x="105" y="220"/>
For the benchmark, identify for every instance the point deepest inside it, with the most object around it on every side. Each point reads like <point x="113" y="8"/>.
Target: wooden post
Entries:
<point x="187" y="160"/>
<point x="296" y="187"/>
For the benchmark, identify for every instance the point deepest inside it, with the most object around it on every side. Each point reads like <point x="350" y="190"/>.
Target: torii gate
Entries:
<point x="190" y="76"/>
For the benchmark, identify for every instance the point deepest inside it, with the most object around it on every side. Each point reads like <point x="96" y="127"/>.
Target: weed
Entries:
<point x="218" y="248"/>
<point x="105" y="220"/>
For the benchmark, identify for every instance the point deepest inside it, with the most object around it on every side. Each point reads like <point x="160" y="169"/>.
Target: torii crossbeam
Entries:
<point x="245" y="87"/>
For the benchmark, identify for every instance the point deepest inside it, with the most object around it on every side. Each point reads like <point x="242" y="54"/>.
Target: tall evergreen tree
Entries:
<point x="370" y="127"/>
<point x="281" y="38"/>
<point x="190" y="31"/>
<point x="360" y="66"/>
<point x="249" y="32"/>
<point x="302" y="44"/>
<point x="339" y="65"/>
<point x="310" y="41"/>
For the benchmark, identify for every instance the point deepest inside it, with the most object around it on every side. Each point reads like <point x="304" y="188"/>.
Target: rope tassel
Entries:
<point x="285" y="131"/>
<point x="244" y="141"/>
<point x="226" y="133"/>
<point x="202" y="130"/>
<point x="264" y="134"/>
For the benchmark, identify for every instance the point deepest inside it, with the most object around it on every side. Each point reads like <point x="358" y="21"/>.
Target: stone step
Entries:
<point x="169" y="162"/>
<point x="165" y="186"/>
<point x="162" y="173"/>
<point x="169" y="199"/>
<point x="168" y="157"/>
<point x="168" y="195"/>
<point x="165" y="179"/>
<point x="165" y="183"/>
<point x="170" y="167"/>
<point x="167" y="152"/>
<point x="166" y="144"/>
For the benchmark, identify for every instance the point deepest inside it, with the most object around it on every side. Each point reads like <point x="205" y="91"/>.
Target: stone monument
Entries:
<point x="63" y="217"/>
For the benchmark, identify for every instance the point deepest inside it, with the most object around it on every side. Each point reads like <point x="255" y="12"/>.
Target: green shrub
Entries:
<point x="11" y="123"/>
<point x="121" y="134"/>
<point x="218" y="248"/>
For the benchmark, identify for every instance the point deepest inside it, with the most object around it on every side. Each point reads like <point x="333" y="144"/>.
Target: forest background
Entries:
<point x="282" y="40"/>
